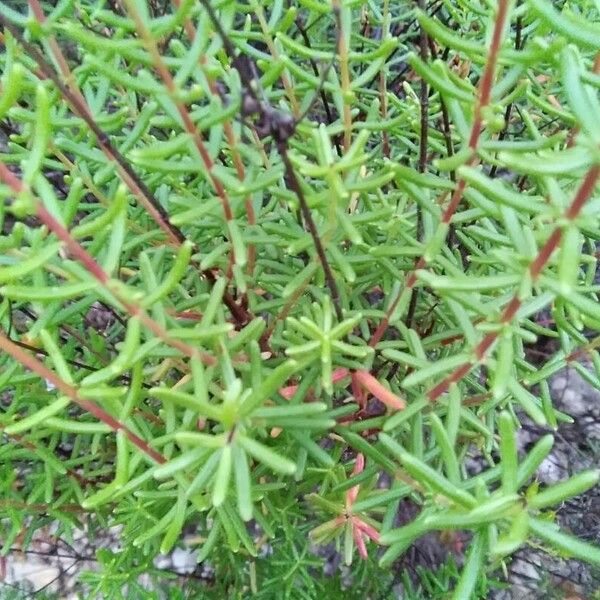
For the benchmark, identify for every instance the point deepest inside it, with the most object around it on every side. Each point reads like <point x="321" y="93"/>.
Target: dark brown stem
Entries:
<point x="75" y="363"/>
<point x="424" y="96"/>
<point x="322" y="93"/>
<point x="445" y="118"/>
<point x="69" y="331"/>
<point x="312" y="228"/>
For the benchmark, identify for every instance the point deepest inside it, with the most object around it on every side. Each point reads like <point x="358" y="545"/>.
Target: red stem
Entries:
<point x="581" y="197"/>
<point x="70" y="391"/>
<point x="485" y="91"/>
<point x="99" y="274"/>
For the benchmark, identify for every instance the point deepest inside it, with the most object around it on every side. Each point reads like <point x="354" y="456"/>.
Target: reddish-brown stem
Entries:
<point x="38" y="13"/>
<point x="509" y="108"/>
<point x="535" y="268"/>
<point x="78" y="105"/>
<point x="231" y="140"/>
<point x="167" y="78"/>
<point x="485" y="91"/>
<point x="485" y="86"/>
<point x="99" y="274"/>
<point x="71" y="392"/>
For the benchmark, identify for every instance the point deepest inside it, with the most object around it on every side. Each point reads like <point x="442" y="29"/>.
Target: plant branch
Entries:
<point x="423" y="144"/>
<point x="71" y="392"/>
<point x="535" y="268"/>
<point x="344" y="72"/>
<point x="99" y="274"/>
<point x="312" y="228"/>
<point x="485" y="90"/>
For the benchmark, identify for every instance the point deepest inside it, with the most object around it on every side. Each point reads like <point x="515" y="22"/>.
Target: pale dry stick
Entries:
<point x="583" y="194"/>
<point x="485" y="91"/>
<point x="287" y="86"/>
<point x="345" y="75"/>
<point x="111" y="286"/>
<point x="383" y="83"/>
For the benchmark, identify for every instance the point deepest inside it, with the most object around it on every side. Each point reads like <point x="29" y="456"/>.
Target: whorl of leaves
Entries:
<point x="321" y="237"/>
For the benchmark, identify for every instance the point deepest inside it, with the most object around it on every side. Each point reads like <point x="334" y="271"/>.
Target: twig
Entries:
<point x="423" y="141"/>
<point x="535" y="268"/>
<point x="322" y="93"/>
<point x="307" y="216"/>
<point x="71" y="392"/>
<point x="509" y="107"/>
<point x="344" y="72"/>
<point x="280" y="126"/>
<point x="485" y="91"/>
<point x="98" y="273"/>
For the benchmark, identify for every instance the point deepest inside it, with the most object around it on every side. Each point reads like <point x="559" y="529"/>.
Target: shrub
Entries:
<point x="271" y="268"/>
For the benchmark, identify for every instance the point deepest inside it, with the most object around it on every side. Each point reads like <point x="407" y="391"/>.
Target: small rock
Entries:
<point x="265" y="550"/>
<point x="525" y="571"/>
<point x="574" y="403"/>
<point x="208" y="571"/>
<point x="163" y="561"/>
<point x="553" y="468"/>
<point x="184" y="561"/>
<point x="559" y="384"/>
<point x="37" y="574"/>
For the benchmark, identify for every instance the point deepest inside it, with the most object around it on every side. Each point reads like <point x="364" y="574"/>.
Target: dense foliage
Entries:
<point x="271" y="269"/>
